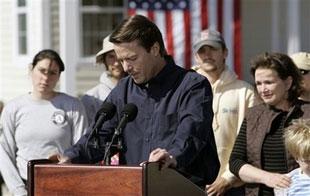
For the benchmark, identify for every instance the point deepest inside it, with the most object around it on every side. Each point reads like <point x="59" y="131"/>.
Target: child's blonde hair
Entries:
<point x="297" y="139"/>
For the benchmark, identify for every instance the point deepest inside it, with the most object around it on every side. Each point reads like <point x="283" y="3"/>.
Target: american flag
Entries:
<point x="180" y="21"/>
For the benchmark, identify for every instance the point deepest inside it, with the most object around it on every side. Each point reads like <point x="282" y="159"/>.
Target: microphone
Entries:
<point x="106" y="112"/>
<point x="129" y="113"/>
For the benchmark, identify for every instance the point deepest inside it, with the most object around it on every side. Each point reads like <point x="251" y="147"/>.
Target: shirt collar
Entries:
<point x="162" y="76"/>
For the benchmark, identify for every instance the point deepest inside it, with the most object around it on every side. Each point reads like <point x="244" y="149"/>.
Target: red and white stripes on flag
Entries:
<point x="180" y="21"/>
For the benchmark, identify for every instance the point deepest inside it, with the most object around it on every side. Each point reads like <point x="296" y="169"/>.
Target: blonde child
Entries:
<point x="297" y="142"/>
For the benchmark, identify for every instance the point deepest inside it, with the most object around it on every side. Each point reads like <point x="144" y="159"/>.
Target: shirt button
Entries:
<point x="147" y="139"/>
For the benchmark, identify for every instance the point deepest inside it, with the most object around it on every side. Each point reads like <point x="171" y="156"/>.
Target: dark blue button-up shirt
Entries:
<point x="174" y="113"/>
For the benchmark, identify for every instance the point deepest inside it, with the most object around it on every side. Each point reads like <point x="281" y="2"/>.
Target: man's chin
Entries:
<point x="208" y="67"/>
<point x="117" y="74"/>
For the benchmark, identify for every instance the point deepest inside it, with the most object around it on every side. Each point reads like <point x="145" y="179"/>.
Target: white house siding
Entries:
<point x="13" y="78"/>
<point x="39" y="26"/>
<point x="87" y="76"/>
<point x="54" y="10"/>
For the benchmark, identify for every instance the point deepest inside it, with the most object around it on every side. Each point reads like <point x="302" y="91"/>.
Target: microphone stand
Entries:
<point x="119" y="146"/>
<point x="96" y="138"/>
<point x="96" y="144"/>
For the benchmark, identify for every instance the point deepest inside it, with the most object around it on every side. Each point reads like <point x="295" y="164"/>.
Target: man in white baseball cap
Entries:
<point x="209" y="37"/>
<point x="113" y="72"/>
<point x="302" y="61"/>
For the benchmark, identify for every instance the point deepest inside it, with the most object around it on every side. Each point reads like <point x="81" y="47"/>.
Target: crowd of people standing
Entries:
<point x="225" y="135"/>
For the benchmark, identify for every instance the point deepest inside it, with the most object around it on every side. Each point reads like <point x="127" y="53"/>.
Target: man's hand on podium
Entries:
<point x="59" y="158"/>
<point x="218" y="187"/>
<point x="162" y="156"/>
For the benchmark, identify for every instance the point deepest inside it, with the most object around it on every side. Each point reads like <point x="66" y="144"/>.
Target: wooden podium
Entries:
<point x="46" y="178"/>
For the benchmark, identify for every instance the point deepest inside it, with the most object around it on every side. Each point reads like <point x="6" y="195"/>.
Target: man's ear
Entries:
<point x="155" y="49"/>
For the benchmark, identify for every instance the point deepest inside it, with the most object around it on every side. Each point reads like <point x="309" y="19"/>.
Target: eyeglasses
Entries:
<point x="303" y="71"/>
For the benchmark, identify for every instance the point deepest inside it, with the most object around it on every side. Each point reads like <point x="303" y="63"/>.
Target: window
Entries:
<point x="22" y="27"/>
<point x="21" y="3"/>
<point x="98" y="19"/>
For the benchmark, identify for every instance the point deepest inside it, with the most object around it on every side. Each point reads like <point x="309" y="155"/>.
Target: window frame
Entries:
<point x="22" y="11"/>
<point x="95" y="9"/>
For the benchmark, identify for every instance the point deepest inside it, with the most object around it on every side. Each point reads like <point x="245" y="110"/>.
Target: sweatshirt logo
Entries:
<point x="59" y="117"/>
<point x="230" y="110"/>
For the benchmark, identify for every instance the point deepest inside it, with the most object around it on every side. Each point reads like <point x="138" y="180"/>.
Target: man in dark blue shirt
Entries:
<point x="174" y="120"/>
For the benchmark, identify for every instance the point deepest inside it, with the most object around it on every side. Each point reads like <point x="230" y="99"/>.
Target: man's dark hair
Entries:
<point x="139" y="28"/>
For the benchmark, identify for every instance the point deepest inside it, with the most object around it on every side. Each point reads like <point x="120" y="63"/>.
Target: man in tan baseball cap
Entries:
<point x="302" y="61"/>
<point x="210" y="54"/>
